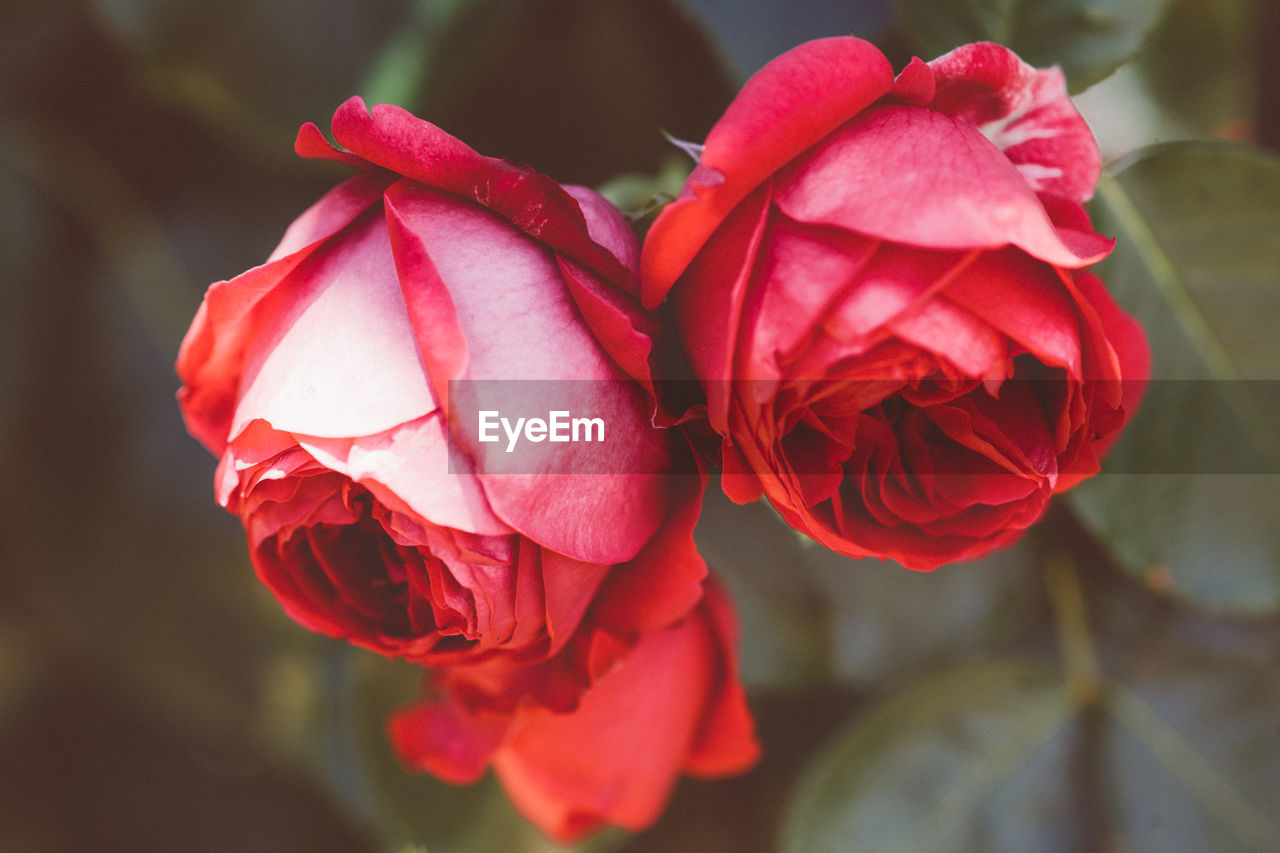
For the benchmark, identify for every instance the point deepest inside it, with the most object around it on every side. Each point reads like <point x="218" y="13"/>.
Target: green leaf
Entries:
<point x="1180" y="755"/>
<point x="1201" y="790"/>
<point x="964" y="761"/>
<point x="1088" y="38"/>
<point x="1193" y="63"/>
<point x="1190" y="759"/>
<point x="1192" y="504"/>
<point x="637" y="194"/>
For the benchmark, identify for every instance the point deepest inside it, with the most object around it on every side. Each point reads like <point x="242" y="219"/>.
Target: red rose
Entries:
<point x="865" y="269"/>
<point x="669" y="705"/>
<point x="321" y="379"/>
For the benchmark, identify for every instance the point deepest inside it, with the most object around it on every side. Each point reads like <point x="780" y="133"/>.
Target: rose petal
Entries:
<point x="395" y="139"/>
<point x="952" y="333"/>
<point x="511" y="305"/>
<point x="607" y="226"/>
<point x="570" y="587"/>
<point x="1132" y="358"/>
<point x="911" y="175"/>
<point x="621" y="326"/>
<point x="709" y="310"/>
<point x="335" y="210"/>
<point x="625" y="331"/>
<point x="787" y="106"/>
<point x="1025" y="111"/>
<point x="408" y="469"/>
<point x="312" y="145"/>
<point x="616" y="758"/>
<point x="1026" y="301"/>
<point x="803" y="271"/>
<point x="1125" y="335"/>
<point x="738" y="480"/>
<point x="890" y="286"/>
<point x="915" y="84"/>
<point x="726" y="743"/>
<point x="664" y="581"/>
<point x="446" y="740"/>
<point x="211" y="359"/>
<point x="508" y="302"/>
<point x="335" y="355"/>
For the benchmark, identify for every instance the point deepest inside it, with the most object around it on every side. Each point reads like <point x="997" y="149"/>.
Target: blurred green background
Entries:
<point x="1106" y="685"/>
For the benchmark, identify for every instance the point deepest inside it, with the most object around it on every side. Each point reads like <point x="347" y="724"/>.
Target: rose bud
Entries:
<point x="322" y="380"/>
<point x="879" y="283"/>
<point x="669" y="705"/>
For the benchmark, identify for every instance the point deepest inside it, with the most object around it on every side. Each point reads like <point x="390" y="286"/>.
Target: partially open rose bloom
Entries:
<point x="322" y="380"/>
<point x="880" y="284"/>
<point x="669" y="705"/>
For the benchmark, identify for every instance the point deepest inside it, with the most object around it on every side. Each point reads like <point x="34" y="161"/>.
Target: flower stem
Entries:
<point x="1079" y="658"/>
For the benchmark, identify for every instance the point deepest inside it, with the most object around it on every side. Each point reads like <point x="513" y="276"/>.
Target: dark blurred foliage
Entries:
<point x="577" y="87"/>
<point x="138" y="654"/>
<point x="91" y="772"/>
<point x="152" y="695"/>
<point x="1268" y="91"/>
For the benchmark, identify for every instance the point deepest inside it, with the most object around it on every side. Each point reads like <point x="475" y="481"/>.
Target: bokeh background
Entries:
<point x="1112" y="683"/>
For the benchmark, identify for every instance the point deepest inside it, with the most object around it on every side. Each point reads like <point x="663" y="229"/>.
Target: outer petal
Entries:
<point x="669" y="704"/>
<point x="519" y="322"/>
<point x="726" y="743"/>
<point x="1025" y="111"/>
<point x="334" y="355"/>
<point x="1126" y="337"/>
<point x="915" y="84"/>
<point x="709" y="306"/>
<point x="512" y="308"/>
<point x="394" y="139"/>
<point x="446" y="740"/>
<point x="570" y="588"/>
<point x="665" y="580"/>
<point x="334" y="211"/>
<point x="911" y="175"/>
<point x="211" y="360"/>
<point x="616" y="758"/>
<point x="625" y="331"/>
<point x="607" y="226"/>
<point x="1133" y="353"/>
<point x="621" y="326"/>
<point x="312" y="145"/>
<point x="788" y="105"/>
